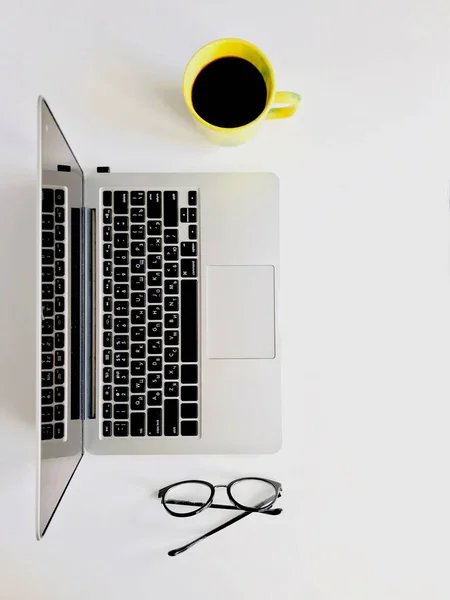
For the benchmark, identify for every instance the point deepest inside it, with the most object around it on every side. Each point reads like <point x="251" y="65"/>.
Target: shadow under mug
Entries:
<point x="230" y="47"/>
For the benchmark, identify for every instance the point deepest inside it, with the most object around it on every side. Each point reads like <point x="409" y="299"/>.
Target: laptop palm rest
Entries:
<point x="240" y="312"/>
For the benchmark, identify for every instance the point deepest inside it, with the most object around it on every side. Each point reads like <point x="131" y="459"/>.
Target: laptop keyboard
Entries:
<point x="54" y="316"/>
<point x="149" y="313"/>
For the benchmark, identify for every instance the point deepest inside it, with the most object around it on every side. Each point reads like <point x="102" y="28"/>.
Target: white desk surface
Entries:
<point x="365" y="298"/>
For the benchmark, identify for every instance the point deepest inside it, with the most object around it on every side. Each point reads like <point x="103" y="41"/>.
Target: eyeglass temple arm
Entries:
<point x="273" y="511"/>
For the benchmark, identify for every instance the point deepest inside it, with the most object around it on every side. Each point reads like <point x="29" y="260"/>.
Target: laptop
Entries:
<point x="156" y="314"/>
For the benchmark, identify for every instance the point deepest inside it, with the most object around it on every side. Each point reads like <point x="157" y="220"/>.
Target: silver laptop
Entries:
<point x="157" y="314"/>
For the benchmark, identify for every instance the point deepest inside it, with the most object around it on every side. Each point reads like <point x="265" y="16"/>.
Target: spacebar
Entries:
<point x="189" y="320"/>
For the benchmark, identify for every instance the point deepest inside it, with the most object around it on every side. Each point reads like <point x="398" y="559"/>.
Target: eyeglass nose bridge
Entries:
<point x="221" y="485"/>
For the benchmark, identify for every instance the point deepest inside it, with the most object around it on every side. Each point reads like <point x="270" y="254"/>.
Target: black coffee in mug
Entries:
<point x="229" y="92"/>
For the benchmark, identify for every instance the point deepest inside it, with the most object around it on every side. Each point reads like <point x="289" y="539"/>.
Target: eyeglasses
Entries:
<point x="189" y="498"/>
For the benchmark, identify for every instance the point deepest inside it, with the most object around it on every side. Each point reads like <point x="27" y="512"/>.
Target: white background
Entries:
<point x="364" y="169"/>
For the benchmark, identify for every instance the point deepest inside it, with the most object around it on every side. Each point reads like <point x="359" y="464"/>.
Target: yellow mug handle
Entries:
<point x="292" y="102"/>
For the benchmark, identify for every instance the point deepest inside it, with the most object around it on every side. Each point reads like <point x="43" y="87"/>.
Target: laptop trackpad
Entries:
<point x="241" y="311"/>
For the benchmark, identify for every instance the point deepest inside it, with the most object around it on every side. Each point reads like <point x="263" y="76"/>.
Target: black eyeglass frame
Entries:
<point x="209" y="503"/>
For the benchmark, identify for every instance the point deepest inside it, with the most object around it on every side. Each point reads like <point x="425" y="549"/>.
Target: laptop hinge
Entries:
<point x="89" y="313"/>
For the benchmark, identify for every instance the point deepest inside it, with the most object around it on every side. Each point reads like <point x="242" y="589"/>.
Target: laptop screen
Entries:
<point x="59" y="315"/>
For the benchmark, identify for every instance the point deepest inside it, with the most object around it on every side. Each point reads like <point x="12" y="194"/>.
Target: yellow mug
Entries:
<point x="230" y="47"/>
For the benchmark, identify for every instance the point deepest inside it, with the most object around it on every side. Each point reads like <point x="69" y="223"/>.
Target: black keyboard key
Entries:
<point x="59" y="376"/>
<point x="107" y="392"/>
<point x="192" y="232"/>
<point x="47" y="257"/>
<point x="137" y="198"/>
<point x="138" y="351"/>
<point x="137" y="215"/>
<point x="138" y="334"/>
<point x="138" y="283"/>
<point x="170" y="417"/>
<point x="107" y="339"/>
<point x="121" y="377"/>
<point x="154" y="381"/>
<point x="171" y="236"/>
<point x="107" y="251"/>
<point x="189" y="428"/>
<point x="59" y="358"/>
<point x="47" y="396"/>
<point x="48" y="239"/>
<point x="107" y="233"/>
<point x="171" y="372"/>
<point x="154" y="296"/>
<point x="189" y="321"/>
<point x="171" y="286"/>
<point x="154" y="398"/>
<point x="47" y="344"/>
<point x="138" y="368"/>
<point x="59" y="412"/>
<point x="121" y="291"/>
<point x="59" y="322"/>
<point x="154" y="421"/>
<point x="121" y="360"/>
<point x="121" y="203"/>
<point x="137" y="402"/>
<point x="188" y="249"/>
<point x="59" y="304"/>
<point x="59" y="197"/>
<point x="121" y="223"/>
<point x="46" y="379"/>
<point x="155" y="330"/>
<point x="171" y="355"/>
<point x="189" y="373"/>
<point x="138" y="249"/>
<point x="192" y="215"/>
<point x="121" y="240"/>
<point x="154" y="346"/>
<point x="107" y="216"/>
<point x="121" y="394"/>
<point x="107" y="375"/>
<point x="189" y="410"/>
<point x="107" y="357"/>
<point x="121" y="342"/>
<point x="108" y="303"/>
<point x="154" y="278"/>
<point x="60" y="251"/>
<point x="121" y="411"/>
<point x="154" y="227"/>
<point x="107" y="410"/>
<point x="60" y="286"/>
<point x="47" y="414"/>
<point x="154" y="261"/>
<point x="59" y="431"/>
<point x="107" y="428"/>
<point x="107" y="321"/>
<point x="47" y="326"/>
<point x="171" y="389"/>
<point x="138" y="265"/>
<point x="121" y="308"/>
<point x="47" y="200"/>
<point x="188" y="267"/>
<point x="138" y="300"/>
<point x="121" y="325"/>
<point x="155" y="312"/>
<point x="137" y="385"/>
<point x="192" y="198"/>
<point x="170" y="209"/>
<point x="48" y="274"/>
<point x="171" y="338"/>
<point x="120" y="429"/>
<point x="170" y="252"/>
<point x="154" y="244"/>
<point x="154" y="364"/>
<point x="137" y="424"/>
<point x="171" y="270"/>
<point x="107" y="286"/>
<point x="107" y="198"/>
<point x="59" y="233"/>
<point x="47" y="222"/>
<point x="121" y="274"/>
<point x="121" y="258"/>
<point x="184" y="215"/>
<point x="59" y="214"/>
<point x="46" y="432"/>
<point x="171" y="321"/>
<point x="171" y="304"/>
<point x="137" y="232"/>
<point x="107" y="268"/>
<point x="154" y="205"/>
<point x="138" y="316"/>
<point x="59" y="339"/>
